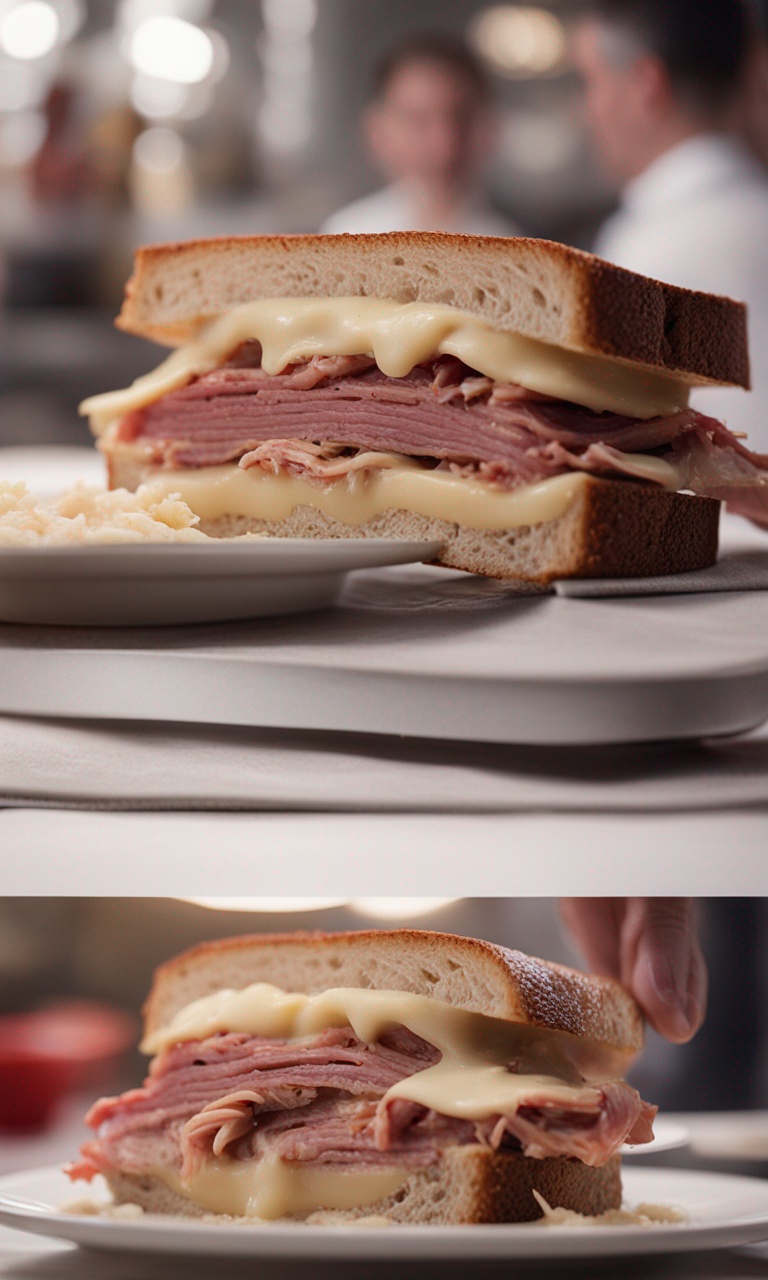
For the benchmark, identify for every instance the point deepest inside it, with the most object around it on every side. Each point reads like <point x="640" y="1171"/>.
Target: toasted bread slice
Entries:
<point x="469" y="1184"/>
<point x="480" y="977"/>
<point x="536" y="288"/>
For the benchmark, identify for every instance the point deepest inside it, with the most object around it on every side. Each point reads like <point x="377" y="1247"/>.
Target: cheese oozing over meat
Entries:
<point x="472" y="1080"/>
<point x="400" y="336"/>
<point x="488" y="1067"/>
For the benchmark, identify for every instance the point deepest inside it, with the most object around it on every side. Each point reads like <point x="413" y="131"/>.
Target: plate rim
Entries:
<point x="184" y="1236"/>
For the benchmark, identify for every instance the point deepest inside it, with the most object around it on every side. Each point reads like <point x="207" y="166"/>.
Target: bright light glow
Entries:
<point x="159" y="150"/>
<point x="171" y="49"/>
<point x="292" y="18"/>
<point x="267" y="904"/>
<point x="517" y="41"/>
<point x="157" y="99"/>
<point x="29" y="30"/>
<point x="21" y="137"/>
<point x="398" y="908"/>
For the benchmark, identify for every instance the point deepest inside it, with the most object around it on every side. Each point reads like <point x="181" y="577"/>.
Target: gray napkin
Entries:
<point x="142" y="766"/>
<point x="734" y="571"/>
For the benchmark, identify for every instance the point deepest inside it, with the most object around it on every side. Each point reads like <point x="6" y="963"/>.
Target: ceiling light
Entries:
<point x="519" y="42"/>
<point x="267" y="904"/>
<point x="29" y="30"/>
<point x="171" y="49"/>
<point x="398" y="908"/>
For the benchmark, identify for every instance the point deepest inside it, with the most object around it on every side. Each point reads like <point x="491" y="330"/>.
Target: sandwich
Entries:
<point x="523" y="403"/>
<point x="416" y="1076"/>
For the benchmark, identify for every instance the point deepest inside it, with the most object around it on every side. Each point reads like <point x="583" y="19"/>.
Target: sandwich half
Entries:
<point x="422" y="1077"/>
<point x="522" y="402"/>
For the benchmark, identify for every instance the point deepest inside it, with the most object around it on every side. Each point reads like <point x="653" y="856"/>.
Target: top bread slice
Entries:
<point x="537" y="288"/>
<point x="480" y="977"/>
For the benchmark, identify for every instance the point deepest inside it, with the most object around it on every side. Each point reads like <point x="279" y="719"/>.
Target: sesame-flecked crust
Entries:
<point x="545" y="290"/>
<point x="480" y="976"/>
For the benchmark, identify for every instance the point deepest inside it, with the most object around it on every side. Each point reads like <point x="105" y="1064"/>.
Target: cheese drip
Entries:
<point x="399" y="336"/>
<point x="273" y="1188"/>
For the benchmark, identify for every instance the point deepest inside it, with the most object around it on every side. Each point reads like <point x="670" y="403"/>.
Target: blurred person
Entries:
<point x="429" y="129"/>
<point x="665" y="86"/>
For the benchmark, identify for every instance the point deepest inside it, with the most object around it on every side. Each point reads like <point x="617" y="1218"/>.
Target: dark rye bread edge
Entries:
<point x="466" y="972"/>
<point x="545" y="290"/>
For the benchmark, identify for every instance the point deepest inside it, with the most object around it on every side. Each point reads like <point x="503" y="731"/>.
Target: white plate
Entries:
<point x="159" y="583"/>
<point x="720" y="1211"/>
<point x="667" y="1136"/>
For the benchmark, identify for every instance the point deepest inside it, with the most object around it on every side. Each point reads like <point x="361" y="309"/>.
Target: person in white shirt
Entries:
<point x="429" y="128"/>
<point x="663" y="87"/>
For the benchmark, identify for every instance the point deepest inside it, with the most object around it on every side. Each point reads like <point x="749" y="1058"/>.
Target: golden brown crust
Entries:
<point x="464" y="971"/>
<point x="469" y="1184"/>
<point x="571" y="298"/>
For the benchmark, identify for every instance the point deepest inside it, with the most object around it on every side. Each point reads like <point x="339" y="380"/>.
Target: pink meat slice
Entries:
<point x="324" y="1101"/>
<point x="441" y="412"/>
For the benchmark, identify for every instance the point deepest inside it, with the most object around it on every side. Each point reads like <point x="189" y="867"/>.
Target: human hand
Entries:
<point x="651" y="946"/>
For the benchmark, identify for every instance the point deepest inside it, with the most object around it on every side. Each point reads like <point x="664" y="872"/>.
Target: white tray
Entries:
<point x="426" y="653"/>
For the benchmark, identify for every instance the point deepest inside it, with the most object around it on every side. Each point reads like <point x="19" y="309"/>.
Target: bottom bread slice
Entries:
<point x="612" y="529"/>
<point x="469" y="1184"/>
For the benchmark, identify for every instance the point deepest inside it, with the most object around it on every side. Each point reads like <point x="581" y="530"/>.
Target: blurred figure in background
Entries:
<point x="429" y="128"/>
<point x="665" y="93"/>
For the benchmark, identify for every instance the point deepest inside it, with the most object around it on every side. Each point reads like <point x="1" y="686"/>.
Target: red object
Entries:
<point x="46" y="1054"/>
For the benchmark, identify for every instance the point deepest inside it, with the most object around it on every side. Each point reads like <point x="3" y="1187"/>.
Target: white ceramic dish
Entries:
<point x="720" y="1211"/>
<point x="155" y="584"/>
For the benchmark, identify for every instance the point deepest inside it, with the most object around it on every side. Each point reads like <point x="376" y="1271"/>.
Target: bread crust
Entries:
<point x="479" y="976"/>
<point x="469" y="1184"/>
<point x="542" y="289"/>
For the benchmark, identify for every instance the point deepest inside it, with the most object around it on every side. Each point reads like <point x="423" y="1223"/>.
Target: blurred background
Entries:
<point x="75" y="972"/>
<point x="124" y="121"/>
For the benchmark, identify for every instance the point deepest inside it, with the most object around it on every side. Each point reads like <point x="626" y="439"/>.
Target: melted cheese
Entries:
<point x="274" y="1188"/>
<point x="399" y="336"/>
<point x="212" y="492"/>
<point x="395" y="483"/>
<point x="472" y="1081"/>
